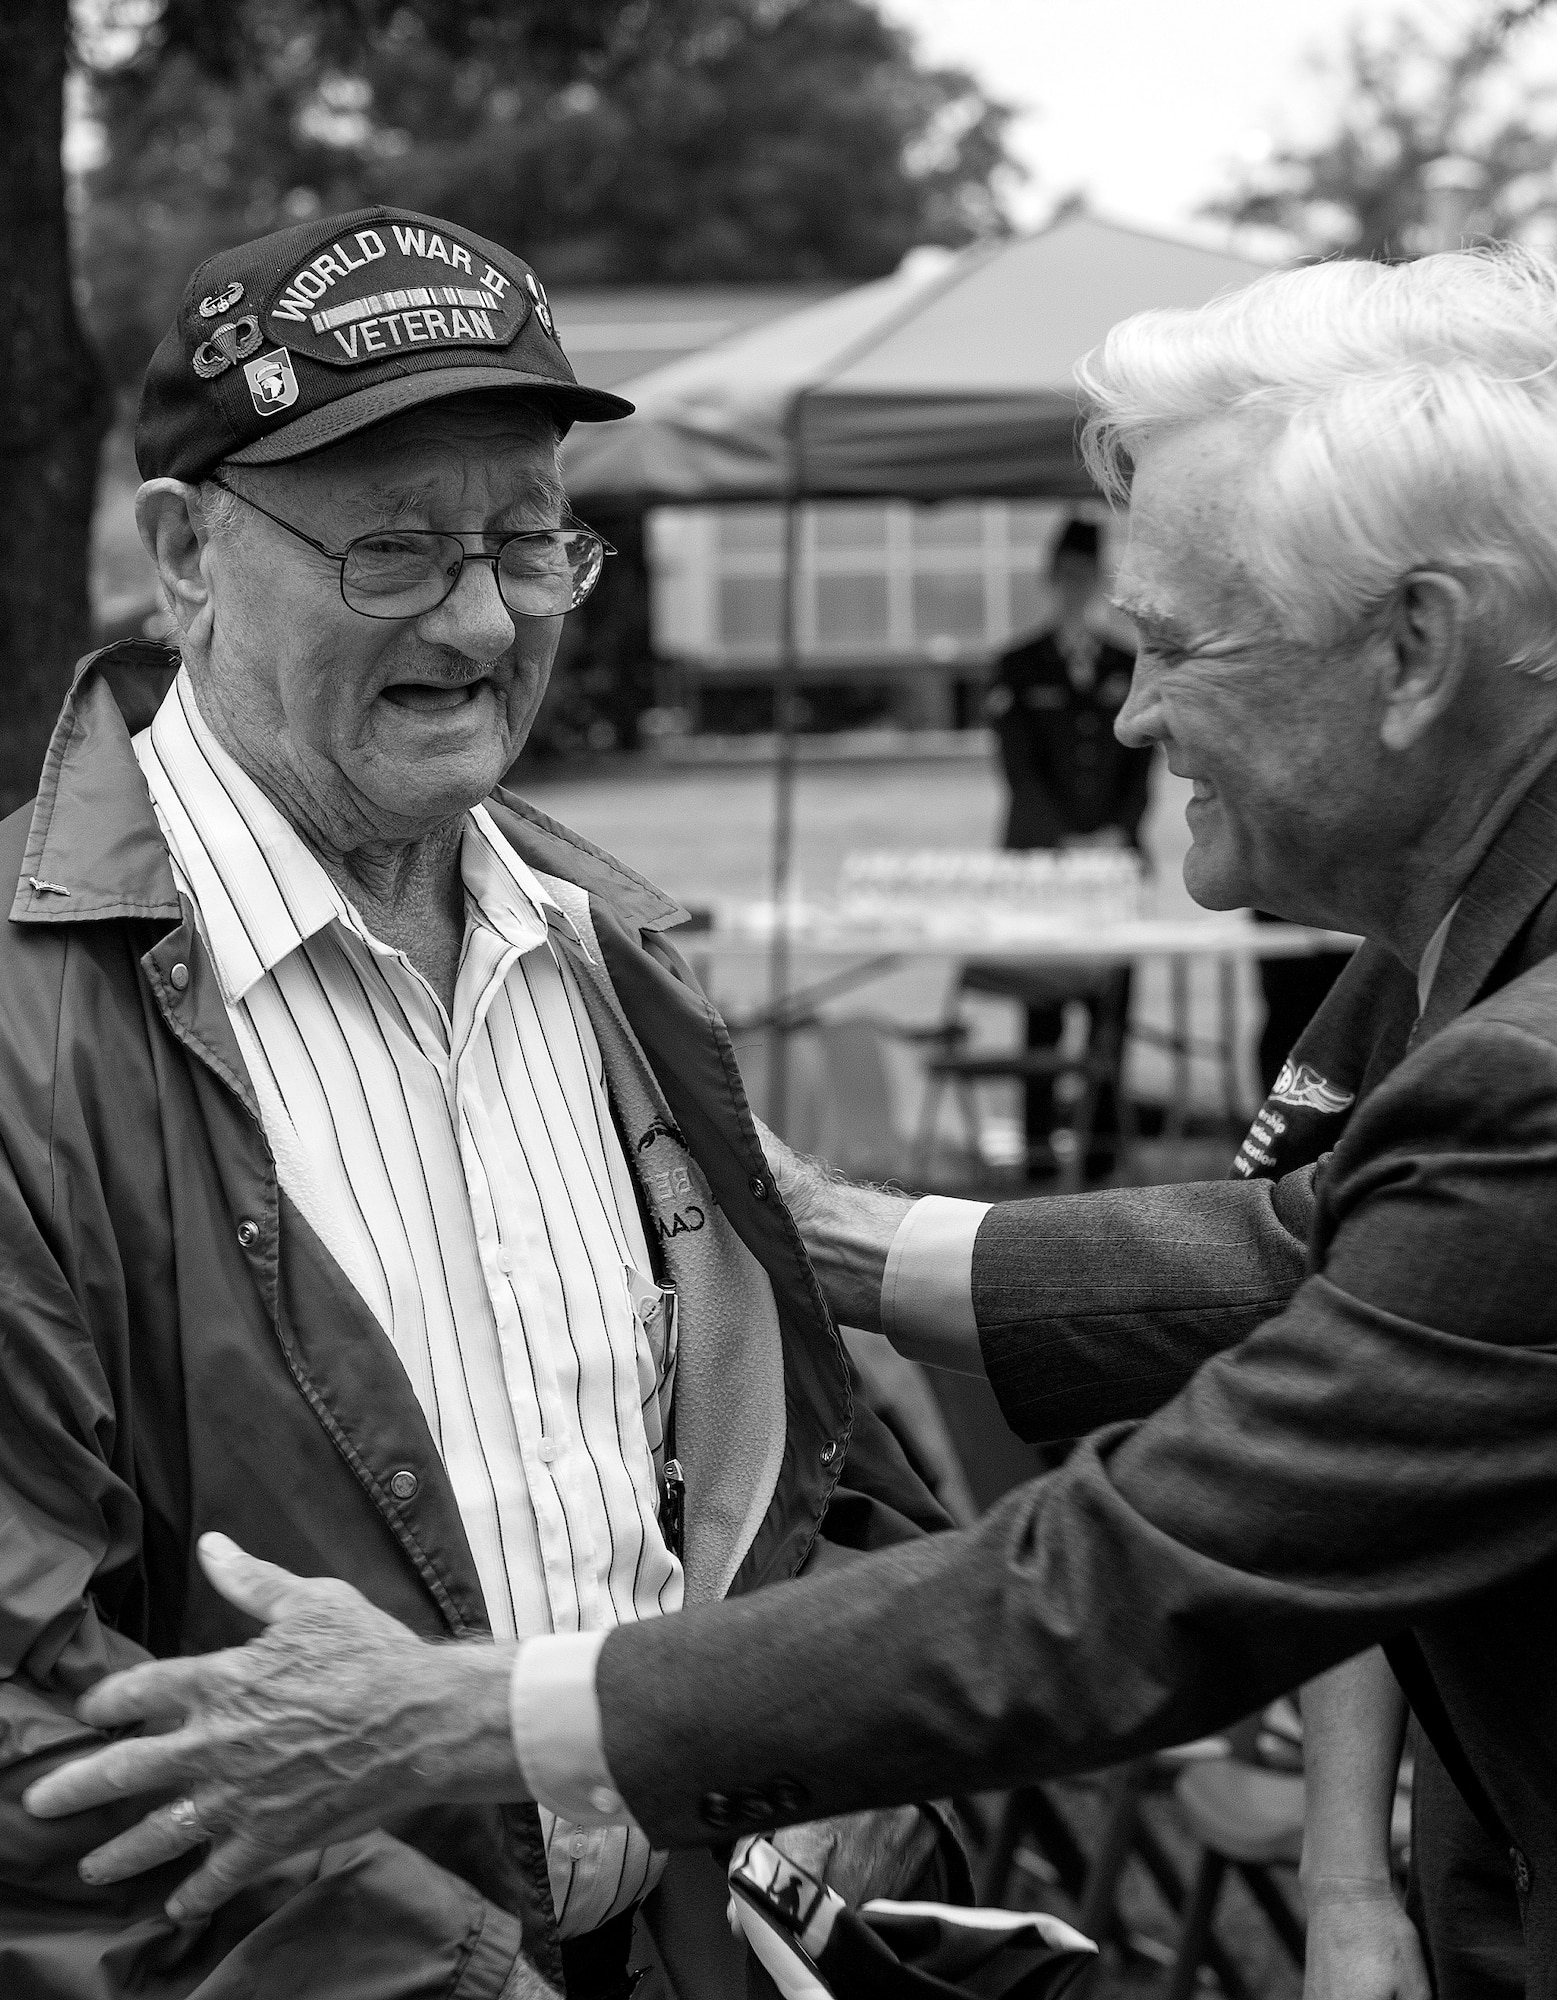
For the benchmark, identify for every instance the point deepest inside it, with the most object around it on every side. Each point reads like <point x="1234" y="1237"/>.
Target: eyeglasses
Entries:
<point x="407" y="572"/>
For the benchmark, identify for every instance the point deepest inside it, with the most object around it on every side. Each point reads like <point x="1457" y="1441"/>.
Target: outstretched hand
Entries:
<point x="334" y="1718"/>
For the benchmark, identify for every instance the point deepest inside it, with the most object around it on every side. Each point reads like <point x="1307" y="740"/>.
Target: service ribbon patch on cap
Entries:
<point x="401" y="289"/>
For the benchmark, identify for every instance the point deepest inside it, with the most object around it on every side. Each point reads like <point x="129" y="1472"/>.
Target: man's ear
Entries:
<point x="1426" y="650"/>
<point x="174" y="534"/>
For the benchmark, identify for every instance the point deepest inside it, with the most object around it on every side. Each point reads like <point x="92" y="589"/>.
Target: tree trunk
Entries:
<point x="53" y="403"/>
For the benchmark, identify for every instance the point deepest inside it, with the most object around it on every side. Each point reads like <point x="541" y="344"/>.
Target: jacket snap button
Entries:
<point x="403" y="1485"/>
<point x="248" y="1234"/>
<point x="829" y="1452"/>
<point x="759" y="1187"/>
<point x="179" y="976"/>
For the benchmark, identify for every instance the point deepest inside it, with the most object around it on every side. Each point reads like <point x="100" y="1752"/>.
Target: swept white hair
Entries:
<point x="1412" y="424"/>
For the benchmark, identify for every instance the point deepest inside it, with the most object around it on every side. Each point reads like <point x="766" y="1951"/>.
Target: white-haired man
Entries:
<point x="1343" y="1361"/>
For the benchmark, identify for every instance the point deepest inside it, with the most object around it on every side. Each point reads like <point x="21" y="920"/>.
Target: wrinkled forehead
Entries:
<point x="1185" y="562"/>
<point x="438" y="461"/>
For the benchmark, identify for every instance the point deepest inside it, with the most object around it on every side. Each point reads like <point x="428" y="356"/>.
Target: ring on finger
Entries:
<point x="185" y="1815"/>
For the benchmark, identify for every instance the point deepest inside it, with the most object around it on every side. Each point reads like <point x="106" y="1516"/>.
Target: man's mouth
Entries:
<point x="437" y="697"/>
<point x="1203" y="788"/>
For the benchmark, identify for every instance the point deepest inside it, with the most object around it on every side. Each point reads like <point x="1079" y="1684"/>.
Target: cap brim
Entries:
<point x="571" y="400"/>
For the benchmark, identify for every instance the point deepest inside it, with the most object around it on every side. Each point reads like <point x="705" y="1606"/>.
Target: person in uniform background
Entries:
<point x="1072" y="783"/>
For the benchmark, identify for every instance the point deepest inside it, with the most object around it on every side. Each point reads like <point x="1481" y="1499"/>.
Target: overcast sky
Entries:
<point x="1143" y="104"/>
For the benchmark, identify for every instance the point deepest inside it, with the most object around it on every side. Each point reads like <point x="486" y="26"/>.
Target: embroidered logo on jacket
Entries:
<point x="669" y="1184"/>
<point x="1267" y="1152"/>
<point x="1301" y="1085"/>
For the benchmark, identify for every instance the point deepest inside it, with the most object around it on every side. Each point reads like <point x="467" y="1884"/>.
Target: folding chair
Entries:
<point x="1098" y="1065"/>
<point x="1250" y="1820"/>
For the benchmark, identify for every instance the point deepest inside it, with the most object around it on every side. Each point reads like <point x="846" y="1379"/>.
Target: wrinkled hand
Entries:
<point x="1361" y="1946"/>
<point x="334" y="1718"/>
<point x="865" y="1855"/>
<point x="847" y="1229"/>
<point x="802" y="1183"/>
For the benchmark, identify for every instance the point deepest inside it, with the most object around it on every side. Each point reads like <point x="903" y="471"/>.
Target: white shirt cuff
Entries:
<point x="556" y="1723"/>
<point x="927" y="1287"/>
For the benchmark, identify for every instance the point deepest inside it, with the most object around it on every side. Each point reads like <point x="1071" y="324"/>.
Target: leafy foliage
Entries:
<point x="1433" y="142"/>
<point x="609" y="141"/>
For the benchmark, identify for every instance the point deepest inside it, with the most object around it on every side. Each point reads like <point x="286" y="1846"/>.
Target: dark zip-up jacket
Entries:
<point x="179" y="1352"/>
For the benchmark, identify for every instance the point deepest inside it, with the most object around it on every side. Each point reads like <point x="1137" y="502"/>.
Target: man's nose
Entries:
<point x="473" y="618"/>
<point x="1141" y="722"/>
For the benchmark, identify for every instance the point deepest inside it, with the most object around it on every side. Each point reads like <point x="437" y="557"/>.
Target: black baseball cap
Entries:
<point x="285" y="344"/>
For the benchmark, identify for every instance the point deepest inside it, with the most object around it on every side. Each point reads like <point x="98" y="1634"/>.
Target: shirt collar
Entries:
<point x="259" y="889"/>
<point x="1427" y="966"/>
<point x="508" y="895"/>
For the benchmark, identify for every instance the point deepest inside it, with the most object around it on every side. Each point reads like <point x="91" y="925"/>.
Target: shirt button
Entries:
<point x="505" y="1260"/>
<point x="547" y="1450"/>
<point x="759" y="1187"/>
<point x="179" y="976"/>
<point x="404" y="1484"/>
<point x="604" y="1800"/>
<point x="248" y="1234"/>
<point x="578" y="1846"/>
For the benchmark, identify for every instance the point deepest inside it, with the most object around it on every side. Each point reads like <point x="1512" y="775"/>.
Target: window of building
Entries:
<point x="949" y="607"/>
<point x="956" y="526"/>
<point x="751" y="612"/>
<point x="750" y="531"/>
<point x="881" y="583"/>
<point x="851" y="611"/>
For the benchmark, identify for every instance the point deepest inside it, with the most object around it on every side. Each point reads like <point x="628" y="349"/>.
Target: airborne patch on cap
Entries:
<point x="377" y="293"/>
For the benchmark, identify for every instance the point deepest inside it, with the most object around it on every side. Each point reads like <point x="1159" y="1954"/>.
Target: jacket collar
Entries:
<point x="1514" y="878"/>
<point x="95" y="850"/>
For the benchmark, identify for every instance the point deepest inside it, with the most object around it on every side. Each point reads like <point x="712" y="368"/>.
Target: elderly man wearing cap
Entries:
<point x="375" y="1182"/>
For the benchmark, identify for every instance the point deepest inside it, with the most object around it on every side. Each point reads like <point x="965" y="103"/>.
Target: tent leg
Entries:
<point x="786" y="701"/>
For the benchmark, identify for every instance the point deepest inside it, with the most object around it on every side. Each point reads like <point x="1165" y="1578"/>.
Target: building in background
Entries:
<point x="912" y="602"/>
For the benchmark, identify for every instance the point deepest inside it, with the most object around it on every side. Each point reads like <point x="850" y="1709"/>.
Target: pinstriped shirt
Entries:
<point x="465" y="1172"/>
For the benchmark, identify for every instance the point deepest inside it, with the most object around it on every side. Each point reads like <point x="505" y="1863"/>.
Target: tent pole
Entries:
<point x="786" y="696"/>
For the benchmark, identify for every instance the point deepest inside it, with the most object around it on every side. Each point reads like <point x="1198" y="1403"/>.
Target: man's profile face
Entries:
<point x="1282" y="744"/>
<point x="392" y="723"/>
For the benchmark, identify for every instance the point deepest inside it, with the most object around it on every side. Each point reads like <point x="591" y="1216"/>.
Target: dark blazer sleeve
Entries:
<point x="1376" y="1455"/>
<point x="1092" y="1308"/>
